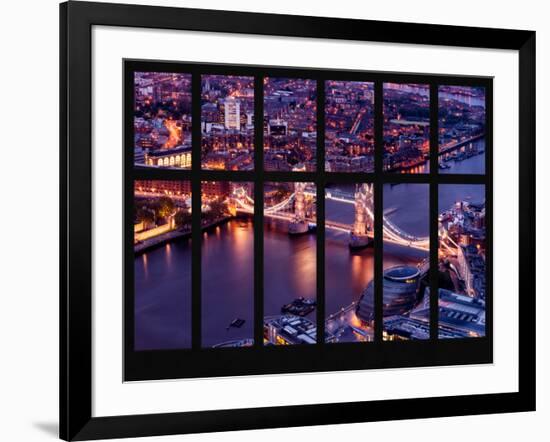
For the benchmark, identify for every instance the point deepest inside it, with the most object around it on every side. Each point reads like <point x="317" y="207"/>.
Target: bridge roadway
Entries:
<point x="449" y="147"/>
<point x="346" y="228"/>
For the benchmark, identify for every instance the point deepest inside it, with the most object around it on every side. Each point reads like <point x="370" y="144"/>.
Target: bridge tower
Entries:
<point x="299" y="201"/>
<point x="360" y="224"/>
<point x="363" y="200"/>
<point x="299" y="224"/>
<point x="232" y="200"/>
<point x="232" y="205"/>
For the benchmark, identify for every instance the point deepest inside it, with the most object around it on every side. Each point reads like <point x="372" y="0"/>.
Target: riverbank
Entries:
<point x="173" y="235"/>
<point x="423" y="165"/>
<point x="160" y="240"/>
<point x="446" y="148"/>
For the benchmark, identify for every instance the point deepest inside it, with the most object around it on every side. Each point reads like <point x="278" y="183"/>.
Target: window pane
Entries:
<point x="349" y="126"/>
<point x="227" y="122"/>
<point x="162" y="120"/>
<point x="227" y="264"/>
<point x="462" y="246"/>
<point x="406" y="127"/>
<point x="290" y="290"/>
<point x="461" y="129"/>
<point x="349" y="261"/>
<point x="406" y="305"/>
<point x="162" y="264"/>
<point x="290" y="116"/>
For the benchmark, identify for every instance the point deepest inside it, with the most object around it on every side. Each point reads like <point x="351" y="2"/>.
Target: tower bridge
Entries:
<point x="296" y="210"/>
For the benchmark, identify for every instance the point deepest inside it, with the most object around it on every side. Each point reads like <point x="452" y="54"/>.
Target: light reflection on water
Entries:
<point x="227" y="257"/>
<point x="163" y="275"/>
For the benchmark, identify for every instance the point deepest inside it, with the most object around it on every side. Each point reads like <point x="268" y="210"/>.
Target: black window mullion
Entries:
<point x="258" y="211"/>
<point x="434" y="212"/>
<point x="320" y="159"/>
<point x="378" y="209"/>
<point x="196" y="210"/>
<point x="434" y="129"/>
<point x="320" y="215"/>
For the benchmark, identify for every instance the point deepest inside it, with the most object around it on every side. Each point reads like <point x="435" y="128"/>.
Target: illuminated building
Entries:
<point x="277" y="127"/>
<point x="460" y="315"/>
<point x="472" y="269"/>
<point x="289" y="330"/>
<point x="232" y="113"/>
<point x="400" y="288"/>
<point x="167" y="187"/>
<point x="404" y="328"/>
<point x="179" y="157"/>
<point x="215" y="188"/>
<point x="235" y="343"/>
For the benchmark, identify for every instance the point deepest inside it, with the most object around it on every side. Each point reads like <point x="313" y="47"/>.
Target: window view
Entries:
<point x="290" y="261"/>
<point x="290" y="116"/>
<point x="162" y="264"/>
<point x="462" y="255"/>
<point x="284" y="305"/>
<point x="406" y="227"/>
<point x="228" y="264"/>
<point x="349" y="261"/>
<point x="162" y="120"/>
<point x="406" y="127"/>
<point x="227" y="122"/>
<point x="349" y="126"/>
<point x="461" y="129"/>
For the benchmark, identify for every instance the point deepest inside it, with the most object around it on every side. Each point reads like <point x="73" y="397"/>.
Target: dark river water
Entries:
<point x="163" y="275"/>
<point x="471" y="165"/>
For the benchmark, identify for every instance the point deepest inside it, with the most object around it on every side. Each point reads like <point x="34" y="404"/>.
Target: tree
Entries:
<point x="164" y="207"/>
<point x="182" y="219"/>
<point x="217" y="208"/>
<point x="145" y="216"/>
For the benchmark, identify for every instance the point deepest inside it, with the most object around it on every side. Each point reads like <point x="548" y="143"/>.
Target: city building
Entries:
<point x="463" y="227"/>
<point x="215" y="188"/>
<point x="289" y="330"/>
<point x="232" y="113"/>
<point x="472" y="270"/>
<point x="163" y="187"/>
<point x="176" y="157"/>
<point x="277" y="127"/>
<point x="235" y="343"/>
<point x="162" y="118"/>
<point x="227" y="122"/>
<point x="400" y="293"/>
<point x="460" y="315"/>
<point x="405" y="328"/>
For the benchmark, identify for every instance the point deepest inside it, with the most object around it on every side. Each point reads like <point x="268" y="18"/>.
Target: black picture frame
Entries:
<point x="76" y="21"/>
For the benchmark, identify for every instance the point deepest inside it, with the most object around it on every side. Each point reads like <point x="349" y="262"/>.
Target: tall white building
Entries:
<point x="232" y="113"/>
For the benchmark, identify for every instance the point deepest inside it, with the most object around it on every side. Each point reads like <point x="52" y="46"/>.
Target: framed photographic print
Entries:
<point x="245" y="218"/>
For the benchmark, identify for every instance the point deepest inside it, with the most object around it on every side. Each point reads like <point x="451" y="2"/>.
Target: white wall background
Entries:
<point x="29" y="217"/>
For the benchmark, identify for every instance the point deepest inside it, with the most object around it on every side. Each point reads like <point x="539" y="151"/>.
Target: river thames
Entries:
<point x="163" y="275"/>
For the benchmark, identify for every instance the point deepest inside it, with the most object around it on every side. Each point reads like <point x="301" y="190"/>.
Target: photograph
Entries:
<point x="406" y="127"/>
<point x="349" y="126"/>
<point x="290" y="121"/>
<point x="462" y="260"/>
<point x="406" y="264"/>
<point x="290" y="260"/>
<point x="162" y="264"/>
<point x="227" y="261"/>
<point x="461" y="129"/>
<point x="227" y="122"/>
<point x="162" y="120"/>
<point x="349" y="260"/>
